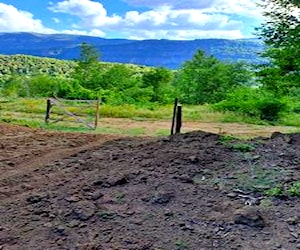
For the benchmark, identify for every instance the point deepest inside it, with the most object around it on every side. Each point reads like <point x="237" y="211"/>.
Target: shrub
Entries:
<point x="270" y="109"/>
<point x="14" y="87"/>
<point x="253" y="103"/>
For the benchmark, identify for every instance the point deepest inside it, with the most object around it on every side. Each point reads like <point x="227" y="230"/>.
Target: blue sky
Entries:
<point x="133" y="19"/>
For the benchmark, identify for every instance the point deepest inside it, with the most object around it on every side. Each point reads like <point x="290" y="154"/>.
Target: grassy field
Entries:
<point x="31" y="113"/>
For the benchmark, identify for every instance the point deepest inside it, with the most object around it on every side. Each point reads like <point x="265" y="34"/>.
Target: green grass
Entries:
<point x="31" y="112"/>
<point x="292" y="189"/>
<point x="162" y="132"/>
<point x="243" y="147"/>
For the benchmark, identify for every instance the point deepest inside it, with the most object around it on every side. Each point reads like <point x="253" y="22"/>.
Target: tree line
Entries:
<point x="263" y="91"/>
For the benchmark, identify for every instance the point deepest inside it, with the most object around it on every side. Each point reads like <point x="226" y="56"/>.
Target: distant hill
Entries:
<point x="158" y="53"/>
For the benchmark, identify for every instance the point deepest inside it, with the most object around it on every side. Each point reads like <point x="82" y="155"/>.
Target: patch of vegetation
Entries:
<point x="226" y="138"/>
<point x="232" y="93"/>
<point x="162" y="132"/>
<point x="181" y="244"/>
<point x="106" y="215"/>
<point x="243" y="147"/>
<point x="275" y="191"/>
<point x="292" y="189"/>
<point x="259" y="179"/>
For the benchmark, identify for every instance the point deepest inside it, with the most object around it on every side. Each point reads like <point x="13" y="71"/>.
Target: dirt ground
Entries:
<point x="196" y="190"/>
<point x="153" y="127"/>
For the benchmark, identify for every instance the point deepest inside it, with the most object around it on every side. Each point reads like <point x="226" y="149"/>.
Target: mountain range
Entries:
<point x="159" y="53"/>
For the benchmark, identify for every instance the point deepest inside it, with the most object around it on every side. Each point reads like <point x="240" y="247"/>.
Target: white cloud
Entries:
<point x="182" y="19"/>
<point x="179" y="4"/>
<point x="14" y="20"/>
<point x="243" y="6"/>
<point x="167" y="19"/>
<point x="178" y="20"/>
<point x="184" y="34"/>
<point x="56" y="20"/>
<point x="91" y="13"/>
<point x="94" y="32"/>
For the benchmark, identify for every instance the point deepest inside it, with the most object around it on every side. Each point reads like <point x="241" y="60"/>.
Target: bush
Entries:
<point x="242" y="100"/>
<point x="270" y="109"/>
<point x="252" y="102"/>
<point x="42" y="86"/>
<point x="15" y="86"/>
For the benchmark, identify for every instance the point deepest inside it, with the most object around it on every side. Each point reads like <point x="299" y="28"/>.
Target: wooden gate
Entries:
<point x="79" y="111"/>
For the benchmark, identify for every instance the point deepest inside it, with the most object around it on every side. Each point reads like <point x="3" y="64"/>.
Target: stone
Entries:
<point x="83" y="210"/>
<point x="295" y="235"/>
<point x="249" y="216"/>
<point x="94" y="195"/>
<point x="73" y="198"/>
<point x="73" y="223"/>
<point x="118" y="181"/>
<point x="232" y="195"/>
<point x="293" y="220"/>
<point x="162" y="198"/>
<point x="115" y="181"/>
<point x="35" y="198"/>
<point x="59" y="230"/>
<point x="185" y="179"/>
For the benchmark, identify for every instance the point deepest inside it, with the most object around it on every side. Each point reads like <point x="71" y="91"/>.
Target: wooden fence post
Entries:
<point x="178" y="119"/>
<point x="48" y="108"/>
<point x="97" y="112"/>
<point x="174" y="115"/>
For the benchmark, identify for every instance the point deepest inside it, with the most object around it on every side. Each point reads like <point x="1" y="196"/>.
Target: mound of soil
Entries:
<point x="190" y="191"/>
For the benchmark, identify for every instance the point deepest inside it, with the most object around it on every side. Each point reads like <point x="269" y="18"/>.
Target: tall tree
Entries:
<point x="281" y="32"/>
<point x="159" y="80"/>
<point x="204" y="79"/>
<point x="88" y="70"/>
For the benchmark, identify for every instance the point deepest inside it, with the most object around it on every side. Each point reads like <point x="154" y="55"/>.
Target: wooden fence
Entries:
<point x="79" y="111"/>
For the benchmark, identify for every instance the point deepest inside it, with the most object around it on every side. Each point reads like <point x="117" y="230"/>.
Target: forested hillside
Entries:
<point x="159" y="53"/>
<point x="31" y="65"/>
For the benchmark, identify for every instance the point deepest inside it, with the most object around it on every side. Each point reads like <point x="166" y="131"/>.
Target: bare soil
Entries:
<point x="153" y="127"/>
<point x="196" y="190"/>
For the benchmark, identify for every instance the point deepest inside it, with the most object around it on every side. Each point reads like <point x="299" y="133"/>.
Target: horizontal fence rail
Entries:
<point x="78" y="111"/>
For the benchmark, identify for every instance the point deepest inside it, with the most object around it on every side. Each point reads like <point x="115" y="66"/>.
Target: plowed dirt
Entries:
<point x="196" y="190"/>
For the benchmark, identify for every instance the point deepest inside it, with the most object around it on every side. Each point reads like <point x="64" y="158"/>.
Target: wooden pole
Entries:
<point x="48" y="108"/>
<point x="178" y="119"/>
<point x="174" y="115"/>
<point x="97" y="113"/>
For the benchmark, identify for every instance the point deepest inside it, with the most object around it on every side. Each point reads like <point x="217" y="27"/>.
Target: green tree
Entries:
<point x="88" y="70"/>
<point x="122" y="84"/>
<point x="15" y="86"/>
<point x="159" y="79"/>
<point x="204" y="79"/>
<point x="281" y="33"/>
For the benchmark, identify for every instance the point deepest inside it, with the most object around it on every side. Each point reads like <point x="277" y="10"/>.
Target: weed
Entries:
<point x="294" y="189"/>
<point x="181" y="244"/>
<point x="106" y="215"/>
<point x="226" y="138"/>
<point x="275" y="191"/>
<point x="259" y="179"/>
<point x="243" y="147"/>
